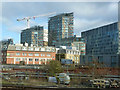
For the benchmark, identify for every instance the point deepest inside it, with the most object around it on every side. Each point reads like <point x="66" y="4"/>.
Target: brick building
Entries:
<point x="14" y="54"/>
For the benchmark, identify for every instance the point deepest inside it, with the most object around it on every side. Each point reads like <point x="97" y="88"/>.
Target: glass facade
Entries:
<point x="33" y="35"/>
<point x="60" y="26"/>
<point x="102" y="40"/>
<point x="104" y="44"/>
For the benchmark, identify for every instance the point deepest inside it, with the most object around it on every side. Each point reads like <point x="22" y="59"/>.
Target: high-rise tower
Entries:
<point x="59" y="27"/>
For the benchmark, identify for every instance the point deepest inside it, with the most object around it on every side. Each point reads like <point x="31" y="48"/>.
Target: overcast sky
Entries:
<point x="87" y="15"/>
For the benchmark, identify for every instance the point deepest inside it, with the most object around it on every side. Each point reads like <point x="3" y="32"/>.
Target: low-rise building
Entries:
<point x="70" y="54"/>
<point x="15" y="54"/>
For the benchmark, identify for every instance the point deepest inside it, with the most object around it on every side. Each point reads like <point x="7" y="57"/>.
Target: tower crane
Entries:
<point x="33" y="17"/>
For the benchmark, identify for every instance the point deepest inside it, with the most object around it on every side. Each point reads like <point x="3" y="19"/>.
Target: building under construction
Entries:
<point x="59" y="27"/>
<point x="35" y="36"/>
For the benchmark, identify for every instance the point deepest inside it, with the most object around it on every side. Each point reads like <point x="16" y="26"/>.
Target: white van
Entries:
<point x="64" y="78"/>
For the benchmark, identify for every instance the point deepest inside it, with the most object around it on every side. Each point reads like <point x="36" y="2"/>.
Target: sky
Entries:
<point x="87" y="15"/>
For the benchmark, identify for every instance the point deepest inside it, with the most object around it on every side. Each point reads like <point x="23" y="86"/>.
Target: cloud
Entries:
<point x="6" y="21"/>
<point x="87" y="15"/>
<point x="83" y="24"/>
<point x="11" y="26"/>
<point x="94" y="15"/>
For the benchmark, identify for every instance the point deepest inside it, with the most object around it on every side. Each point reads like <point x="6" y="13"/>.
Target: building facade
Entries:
<point x="14" y="54"/>
<point x="35" y="36"/>
<point x="68" y="54"/>
<point x="103" y="44"/>
<point x="76" y="42"/>
<point x="5" y="43"/>
<point x="45" y="37"/>
<point x="60" y="26"/>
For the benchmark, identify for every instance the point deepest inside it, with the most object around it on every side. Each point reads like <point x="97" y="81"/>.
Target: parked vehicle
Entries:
<point x="64" y="78"/>
<point x="52" y="79"/>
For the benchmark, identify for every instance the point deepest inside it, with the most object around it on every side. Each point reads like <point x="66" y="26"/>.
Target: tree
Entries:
<point x="97" y="70"/>
<point x="54" y="67"/>
<point x="22" y="63"/>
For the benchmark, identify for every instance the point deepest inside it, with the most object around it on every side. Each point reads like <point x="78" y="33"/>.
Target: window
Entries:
<point x="73" y="52"/>
<point x="53" y="50"/>
<point x="24" y="48"/>
<point x="17" y="59"/>
<point x="42" y="54"/>
<point x="72" y="57"/>
<point x="36" y="59"/>
<point x="30" y="59"/>
<point x="30" y="54"/>
<point x="48" y="55"/>
<point x="36" y="49"/>
<point x="23" y="54"/>
<point x="42" y="49"/>
<point x="36" y="54"/>
<point x="77" y="58"/>
<point x="18" y="48"/>
<point x="47" y="49"/>
<point x="30" y="48"/>
<point x="66" y="51"/>
<point x="17" y="54"/>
